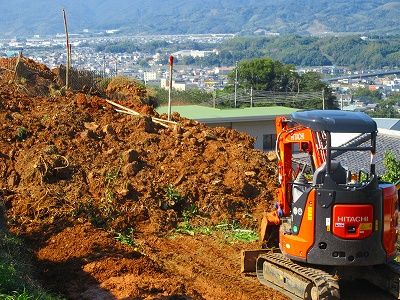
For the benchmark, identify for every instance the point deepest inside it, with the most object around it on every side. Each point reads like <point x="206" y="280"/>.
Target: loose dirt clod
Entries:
<point x="80" y="172"/>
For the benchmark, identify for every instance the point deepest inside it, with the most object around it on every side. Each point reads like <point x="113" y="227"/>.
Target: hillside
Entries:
<point x="97" y="194"/>
<point x="372" y="52"/>
<point x="208" y="16"/>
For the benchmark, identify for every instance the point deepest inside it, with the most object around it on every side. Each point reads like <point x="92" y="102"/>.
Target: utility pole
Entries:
<point x="68" y="51"/>
<point x="104" y="66"/>
<point x="341" y="101"/>
<point x="251" y="96"/>
<point x="171" y="65"/>
<point x="323" y="99"/>
<point x="214" y="97"/>
<point x="236" y="80"/>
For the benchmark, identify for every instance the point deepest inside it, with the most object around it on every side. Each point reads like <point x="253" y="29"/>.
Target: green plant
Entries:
<point x="21" y="133"/>
<point x="186" y="228"/>
<point x="234" y="232"/>
<point x="392" y="165"/>
<point x="241" y="235"/>
<point x="172" y="199"/>
<point x="109" y="196"/>
<point x="231" y="232"/>
<point x="126" y="237"/>
<point x="56" y="92"/>
<point x="193" y="96"/>
<point x="26" y="295"/>
<point x="107" y="204"/>
<point x="112" y="176"/>
<point x="189" y="212"/>
<point x="45" y="118"/>
<point x="172" y="194"/>
<point x="16" y="274"/>
<point x="17" y="296"/>
<point x="89" y="211"/>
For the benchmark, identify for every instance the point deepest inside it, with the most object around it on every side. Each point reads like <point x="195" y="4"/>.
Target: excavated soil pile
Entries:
<point x="73" y="171"/>
<point x="29" y="77"/>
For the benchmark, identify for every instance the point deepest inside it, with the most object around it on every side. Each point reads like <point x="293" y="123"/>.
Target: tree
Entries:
<point x="386" y="108"/>
<point x="269" y="75"/>
<point x="265" y="74"/>
<point x="143" y="63"/>
<point x="311" y="82"/>
<point x="392" y="165"/>
<point x="366" y="95"/>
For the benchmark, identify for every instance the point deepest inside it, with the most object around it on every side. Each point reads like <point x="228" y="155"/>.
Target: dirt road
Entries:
<point x="210" y="266"/>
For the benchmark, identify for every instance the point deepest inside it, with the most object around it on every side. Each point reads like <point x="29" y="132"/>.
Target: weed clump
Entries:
<point x="21" y="133"/>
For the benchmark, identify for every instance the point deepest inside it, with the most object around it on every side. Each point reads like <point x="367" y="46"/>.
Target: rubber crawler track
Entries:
<point x="327" y="285"/>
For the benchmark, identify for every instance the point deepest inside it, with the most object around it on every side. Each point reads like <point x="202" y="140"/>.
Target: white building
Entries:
<point x="180" y="86"/>
<point x="149" y="76"/>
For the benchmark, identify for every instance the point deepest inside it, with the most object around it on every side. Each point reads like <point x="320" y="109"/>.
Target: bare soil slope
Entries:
<point x="74" y="173"/>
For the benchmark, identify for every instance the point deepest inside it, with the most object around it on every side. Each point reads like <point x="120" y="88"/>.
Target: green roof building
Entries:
<point x="258" y="122"/>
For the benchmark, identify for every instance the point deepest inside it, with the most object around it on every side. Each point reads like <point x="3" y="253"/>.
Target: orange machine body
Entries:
<point x="328" y="219"/>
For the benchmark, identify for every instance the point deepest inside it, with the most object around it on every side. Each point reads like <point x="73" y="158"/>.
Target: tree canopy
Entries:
<point x="270" y="75"/>
<point x="265" y="74"/>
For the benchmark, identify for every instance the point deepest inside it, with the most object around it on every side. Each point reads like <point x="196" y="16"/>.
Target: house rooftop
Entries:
<point x="387" y="123"/>
<point x="386" y="140"/>
<point x="214" y="115"/>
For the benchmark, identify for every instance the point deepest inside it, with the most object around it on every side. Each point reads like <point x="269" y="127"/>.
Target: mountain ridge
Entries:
<point x="21" y="18"/>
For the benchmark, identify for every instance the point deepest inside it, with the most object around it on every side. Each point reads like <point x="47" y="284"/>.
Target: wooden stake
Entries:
<point x="16" y="65"/>
<point x="70" y="56"/>
<point x="171" y="65"/>
<point x="68" y="50"/>
<point x="129" y="111"/>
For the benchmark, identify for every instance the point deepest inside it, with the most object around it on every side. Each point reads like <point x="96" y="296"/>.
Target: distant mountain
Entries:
<point x="26" y="18"/>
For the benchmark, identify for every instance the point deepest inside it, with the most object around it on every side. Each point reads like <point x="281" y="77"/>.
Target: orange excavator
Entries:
<point x="328" y="223"/>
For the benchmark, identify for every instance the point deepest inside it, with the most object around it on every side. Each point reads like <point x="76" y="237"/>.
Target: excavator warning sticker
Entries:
<point x="366" y="226"/>
<point x="309" y="213"/>
<point x="328" y="224"/>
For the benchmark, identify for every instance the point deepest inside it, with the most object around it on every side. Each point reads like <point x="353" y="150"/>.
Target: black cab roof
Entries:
<point x="335" y="121"/>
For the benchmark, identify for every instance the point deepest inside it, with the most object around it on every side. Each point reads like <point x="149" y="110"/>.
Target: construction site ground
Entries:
<point x="110" y="205"/>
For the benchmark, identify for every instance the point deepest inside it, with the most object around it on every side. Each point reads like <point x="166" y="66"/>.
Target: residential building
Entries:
<point x="258" y="122"/>
<point x="149" y="76"/>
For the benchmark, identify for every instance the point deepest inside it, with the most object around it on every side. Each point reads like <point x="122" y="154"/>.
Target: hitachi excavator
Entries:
<point x="328" y="223"/>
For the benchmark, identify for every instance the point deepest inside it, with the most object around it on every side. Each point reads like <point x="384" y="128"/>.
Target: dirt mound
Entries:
<point x="70" y="161"/>
<point x="84" y="262"/>
<point x="133" y="94"/>
<point x="27" y="76"/>
<point x="90" y="161"/>
<point x="126" y="87"/>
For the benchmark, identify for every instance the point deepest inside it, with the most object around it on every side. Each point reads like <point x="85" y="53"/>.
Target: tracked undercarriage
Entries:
<point x="304" y="281"/>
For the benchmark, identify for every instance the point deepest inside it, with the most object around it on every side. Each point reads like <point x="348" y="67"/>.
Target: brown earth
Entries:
<point x="74" y="174"/>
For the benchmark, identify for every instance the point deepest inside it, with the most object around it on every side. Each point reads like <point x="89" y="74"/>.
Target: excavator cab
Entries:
<point x="329" y="221"/>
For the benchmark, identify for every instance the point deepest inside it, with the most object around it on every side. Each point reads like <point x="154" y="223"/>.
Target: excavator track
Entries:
<point x="294" y="280"/>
